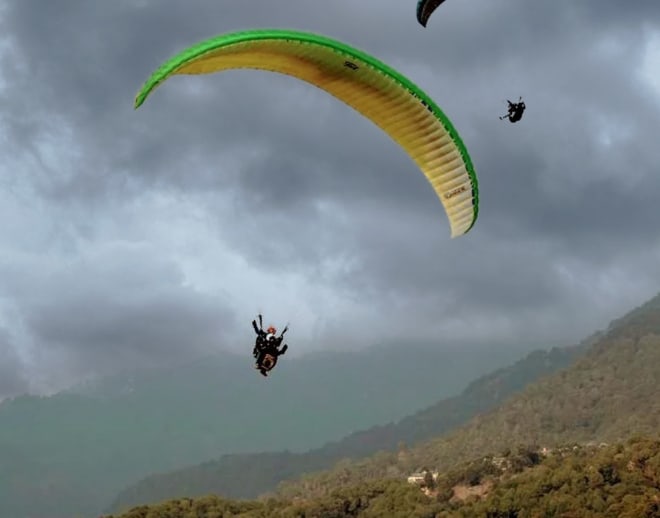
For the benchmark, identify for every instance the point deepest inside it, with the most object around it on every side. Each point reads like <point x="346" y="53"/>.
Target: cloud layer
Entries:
<point x="138" y="236"/>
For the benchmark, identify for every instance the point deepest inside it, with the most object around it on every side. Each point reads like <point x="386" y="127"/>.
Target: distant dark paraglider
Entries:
<point x="267" y="347"/>
<point x="515" y="112"/>
<point x="380" y="93"/>
<point x="425" y="9"/>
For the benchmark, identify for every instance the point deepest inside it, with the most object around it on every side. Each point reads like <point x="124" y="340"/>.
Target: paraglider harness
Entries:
<point x="266" y="348"/>
<point x="515" y="111"/>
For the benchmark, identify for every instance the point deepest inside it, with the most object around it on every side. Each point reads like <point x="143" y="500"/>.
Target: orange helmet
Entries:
<point x="271" y="330"/>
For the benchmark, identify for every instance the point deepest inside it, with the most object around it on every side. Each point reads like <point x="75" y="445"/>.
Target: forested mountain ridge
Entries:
<point x="249" y="475"/>
<point x="609" y="393"/>
<point x="579" y="481"/>
<point x="96" y="438"/>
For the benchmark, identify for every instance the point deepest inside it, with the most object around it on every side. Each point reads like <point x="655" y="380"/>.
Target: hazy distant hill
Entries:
<point x="577" y="481"/>
<point x="72" y="453"/>
<point x="247" y="476"/>
<point x="610" y="393"/>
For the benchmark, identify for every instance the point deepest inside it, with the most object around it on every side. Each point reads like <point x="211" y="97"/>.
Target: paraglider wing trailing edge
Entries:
<point x="380" y="93"/>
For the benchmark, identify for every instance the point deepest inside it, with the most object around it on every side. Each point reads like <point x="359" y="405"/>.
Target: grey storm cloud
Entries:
<point x="133" y="232"/>
<point x="13" y="378"/>
<point x="121" y="305"/>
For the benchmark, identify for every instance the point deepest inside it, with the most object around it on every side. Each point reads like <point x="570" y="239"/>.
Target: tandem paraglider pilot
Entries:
<point x="267" y="347"/>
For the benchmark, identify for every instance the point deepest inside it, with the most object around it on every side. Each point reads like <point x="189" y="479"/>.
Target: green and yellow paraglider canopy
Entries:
<point x="369" y="86"/>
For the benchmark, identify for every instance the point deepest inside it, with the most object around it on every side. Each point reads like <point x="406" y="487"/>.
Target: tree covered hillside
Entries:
<point x="96" y="439"/>
<point x="610" y="393"/>
<point x="249" y="475"/>
<point x="592" y="481"/>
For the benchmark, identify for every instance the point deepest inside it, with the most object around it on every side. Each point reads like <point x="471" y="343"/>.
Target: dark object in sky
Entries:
<point x="515" y="111"/>
<point x="425" y="9"/>
<point x="267" y="347"/>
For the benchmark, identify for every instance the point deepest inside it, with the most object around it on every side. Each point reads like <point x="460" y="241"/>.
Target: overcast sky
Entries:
<point x="133" y="235"/>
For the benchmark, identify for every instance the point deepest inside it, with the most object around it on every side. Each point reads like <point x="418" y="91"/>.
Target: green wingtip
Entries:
<point x="140" y="98"/>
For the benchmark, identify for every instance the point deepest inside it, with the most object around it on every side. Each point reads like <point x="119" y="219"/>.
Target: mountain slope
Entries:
<point x="605" y="481"/>
<point x="611" y="392"/>
<point x="96" y="439"/>
<point x="246" y="476"/>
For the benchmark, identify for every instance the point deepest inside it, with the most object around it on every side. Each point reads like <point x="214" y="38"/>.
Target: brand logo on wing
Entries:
<point x="456" y="191"/>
